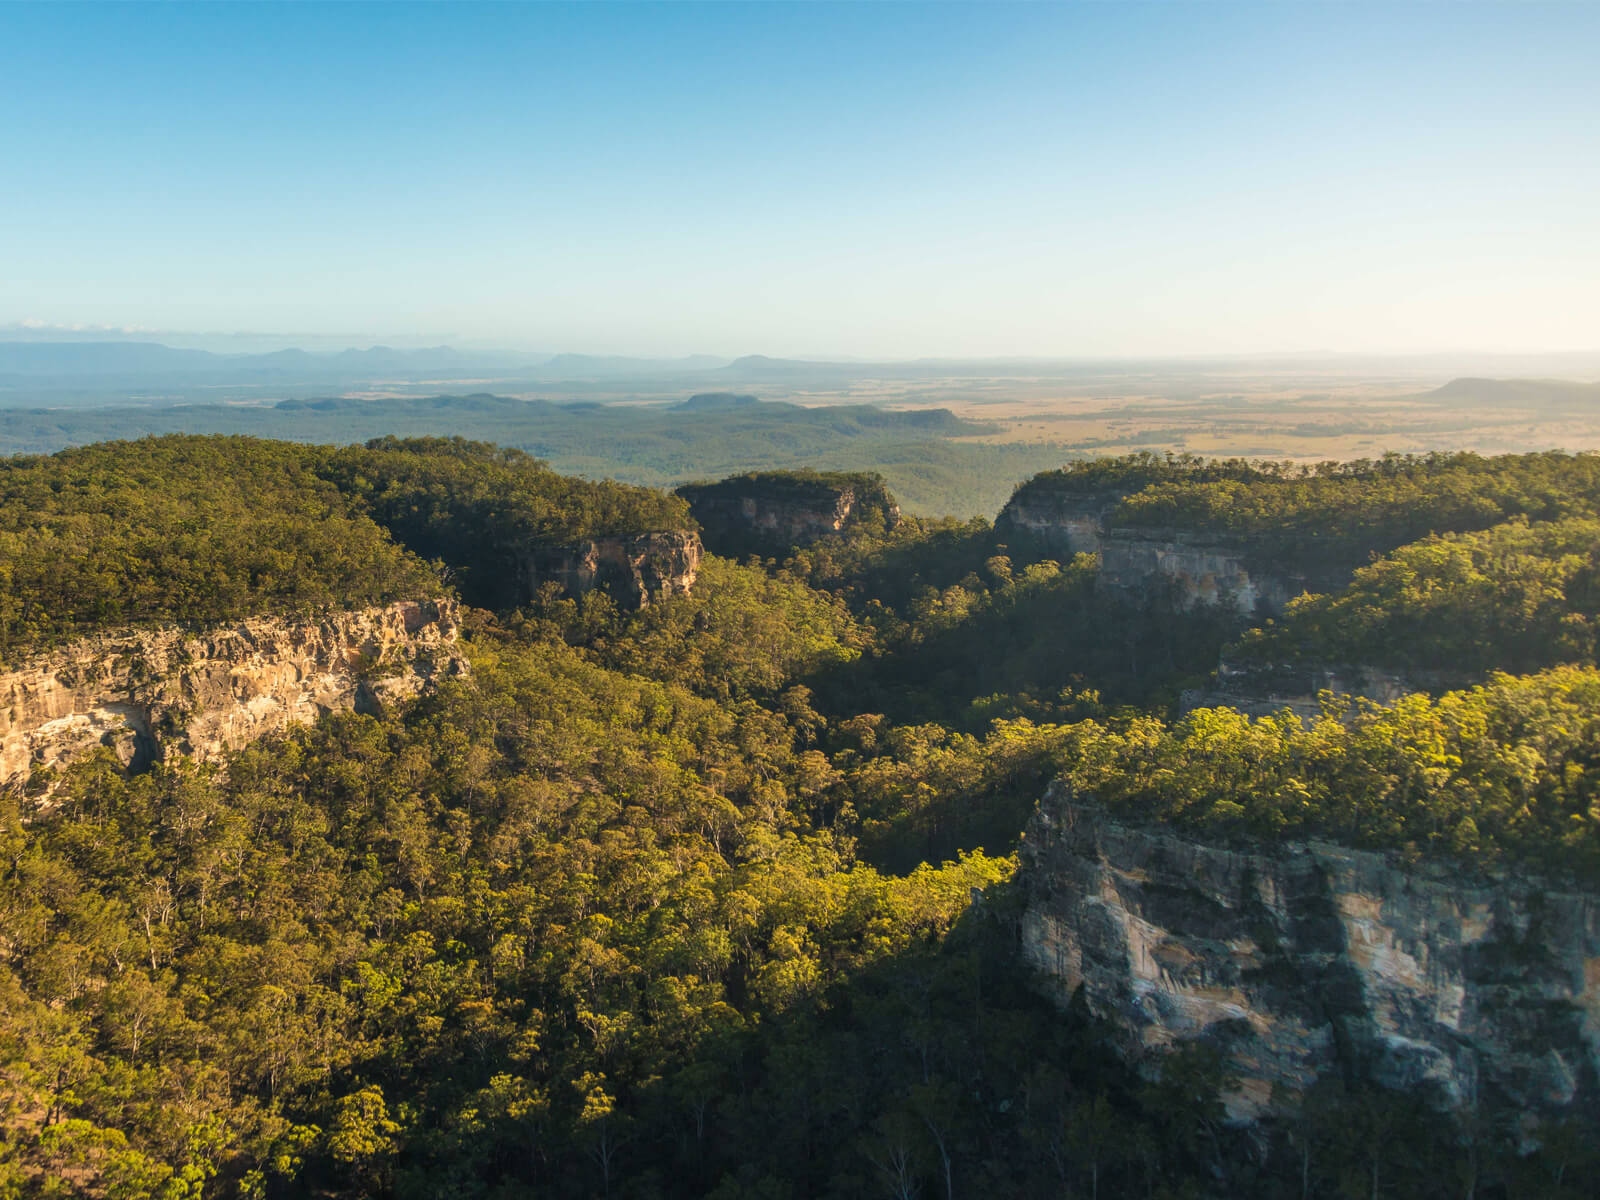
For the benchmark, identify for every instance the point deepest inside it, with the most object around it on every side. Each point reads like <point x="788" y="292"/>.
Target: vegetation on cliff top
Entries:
<point x="788" y="497"/>
<point x="203" y="530"/>
<point x="1516" y="598"/>
<point x="1348" y="510"/>
<point x="199" y="530"/>
<point x="1502" y="773"/>
<point x="1289" y="514"/>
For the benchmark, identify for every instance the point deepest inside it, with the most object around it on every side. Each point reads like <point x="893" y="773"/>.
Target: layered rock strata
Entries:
<point x="1198" y="568"/>
<point x="1071" y="521"/>
<point x="151" y="694"/>
<point x="1190" y="567"/>
<point x="778" y="510"/>
<point x="635" y="571"/>
<point x="1313" y="960"/>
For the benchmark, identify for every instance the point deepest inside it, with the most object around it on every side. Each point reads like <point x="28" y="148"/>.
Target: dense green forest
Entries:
<point x="1345" y="510"/>
<point x="1516" y="597"/>
<point x="1501" y="772"/>
<point x="710" y="899"/>
<point x="202" y="530"/>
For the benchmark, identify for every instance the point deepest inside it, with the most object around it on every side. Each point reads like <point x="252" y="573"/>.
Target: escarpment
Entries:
<point x="1188" y="566"/>
<point x="151" y="694"/>
<point x="1308" y="960"/>
<point x="635" y="571"/>
<point x="1070" y="521"/>
<point x="776" y="510"/>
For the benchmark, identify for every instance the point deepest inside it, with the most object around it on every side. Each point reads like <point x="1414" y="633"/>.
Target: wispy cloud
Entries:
<point x="35" y="325"/>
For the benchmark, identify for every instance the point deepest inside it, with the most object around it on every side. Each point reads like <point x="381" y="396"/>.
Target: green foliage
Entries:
<point x="1127" y="474"/>
<point x="199" y="530"/>
<point x="860" y="501"/>
<point x="705" y="899"/>
<point x="1346" y="510"/>
<point x="205" y="530"/>
<point x="741" y="632"/>
<point x="1505" y="772"/>
<point x="1517" y="597"/>
<point x="926" y="455"/>
<point x="480" y="508"/>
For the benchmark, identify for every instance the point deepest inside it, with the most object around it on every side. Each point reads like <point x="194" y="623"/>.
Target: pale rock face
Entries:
<point x="635" y="571"/>
<point x="148" y="694"/>
<point x="1201" y="571"/>
<point x="1072" y="522"/>
<point x="1198" y="569"/>
<point x="1314" y="960"/>
<point x="776" y="513"/>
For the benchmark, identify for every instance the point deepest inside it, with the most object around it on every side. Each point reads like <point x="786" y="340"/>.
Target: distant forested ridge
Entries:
<point x="926" y="454"/>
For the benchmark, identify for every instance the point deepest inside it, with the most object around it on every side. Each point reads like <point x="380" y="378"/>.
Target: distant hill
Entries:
<point x="97" y="358"/>
<point x="1524" y="393"/>
<point x="68" y="359"/>
<point x="717" y="401"/>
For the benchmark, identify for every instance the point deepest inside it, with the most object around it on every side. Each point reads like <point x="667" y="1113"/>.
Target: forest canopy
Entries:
<point x="209" y="529"/>
<point x="625" y="910"/>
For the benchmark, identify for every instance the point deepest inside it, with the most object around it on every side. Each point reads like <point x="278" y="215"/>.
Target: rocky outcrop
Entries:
<point x="778" y="510"/>
<point x="1073" y="522"/>
<point x="152" y="694"/>
<point x="1200" y="569"/>
<point x="635" y="571"/>
<point x="1310" y="960"/>
<point x="1187" y="567"/>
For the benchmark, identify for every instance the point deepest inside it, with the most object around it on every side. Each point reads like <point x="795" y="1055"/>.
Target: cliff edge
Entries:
<point x="148" y="694"/>
<point x="772" y="511"/>
<point x="1309" y="959"/>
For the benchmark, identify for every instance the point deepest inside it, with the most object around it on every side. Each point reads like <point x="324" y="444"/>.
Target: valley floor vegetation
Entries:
<point x="716" y="898"/>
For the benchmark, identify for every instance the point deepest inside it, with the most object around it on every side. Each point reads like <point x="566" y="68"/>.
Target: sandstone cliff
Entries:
<point x="777" y="510"/>
<point x="1201" y="569"/>
<point x="1310" y="959"/>
<point x="1073" y="522"/>
<point x="1192" y="567"/>
<point x="634" y="571"/>
<point x="148" y="694"/>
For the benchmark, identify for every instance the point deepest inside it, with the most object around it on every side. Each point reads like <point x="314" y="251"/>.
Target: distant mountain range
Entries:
<point x="58" y="358"/>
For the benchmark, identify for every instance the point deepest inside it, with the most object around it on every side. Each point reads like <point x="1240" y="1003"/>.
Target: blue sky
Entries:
<point x="884" y="179"/>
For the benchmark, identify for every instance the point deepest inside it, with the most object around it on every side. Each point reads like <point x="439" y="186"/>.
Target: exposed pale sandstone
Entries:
<point x="148" y="694"/>
<point x="777" y="510"/>
<point x="1309" y="959"/>
<point x="634" y="570"/>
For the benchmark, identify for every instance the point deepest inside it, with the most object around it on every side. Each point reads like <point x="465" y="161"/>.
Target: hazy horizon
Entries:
<point x="871" y="182"/>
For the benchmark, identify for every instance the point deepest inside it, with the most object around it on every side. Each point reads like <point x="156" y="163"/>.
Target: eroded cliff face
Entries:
<point x="1190" y="567"/>
<point x="1199" y="569"/>
<point x="1314" y="960"/>
<point x="776" y="511"/>
<point x="634" y="571"/>
<point x="150" y="694"/>
<point x="1071" y="521"/>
